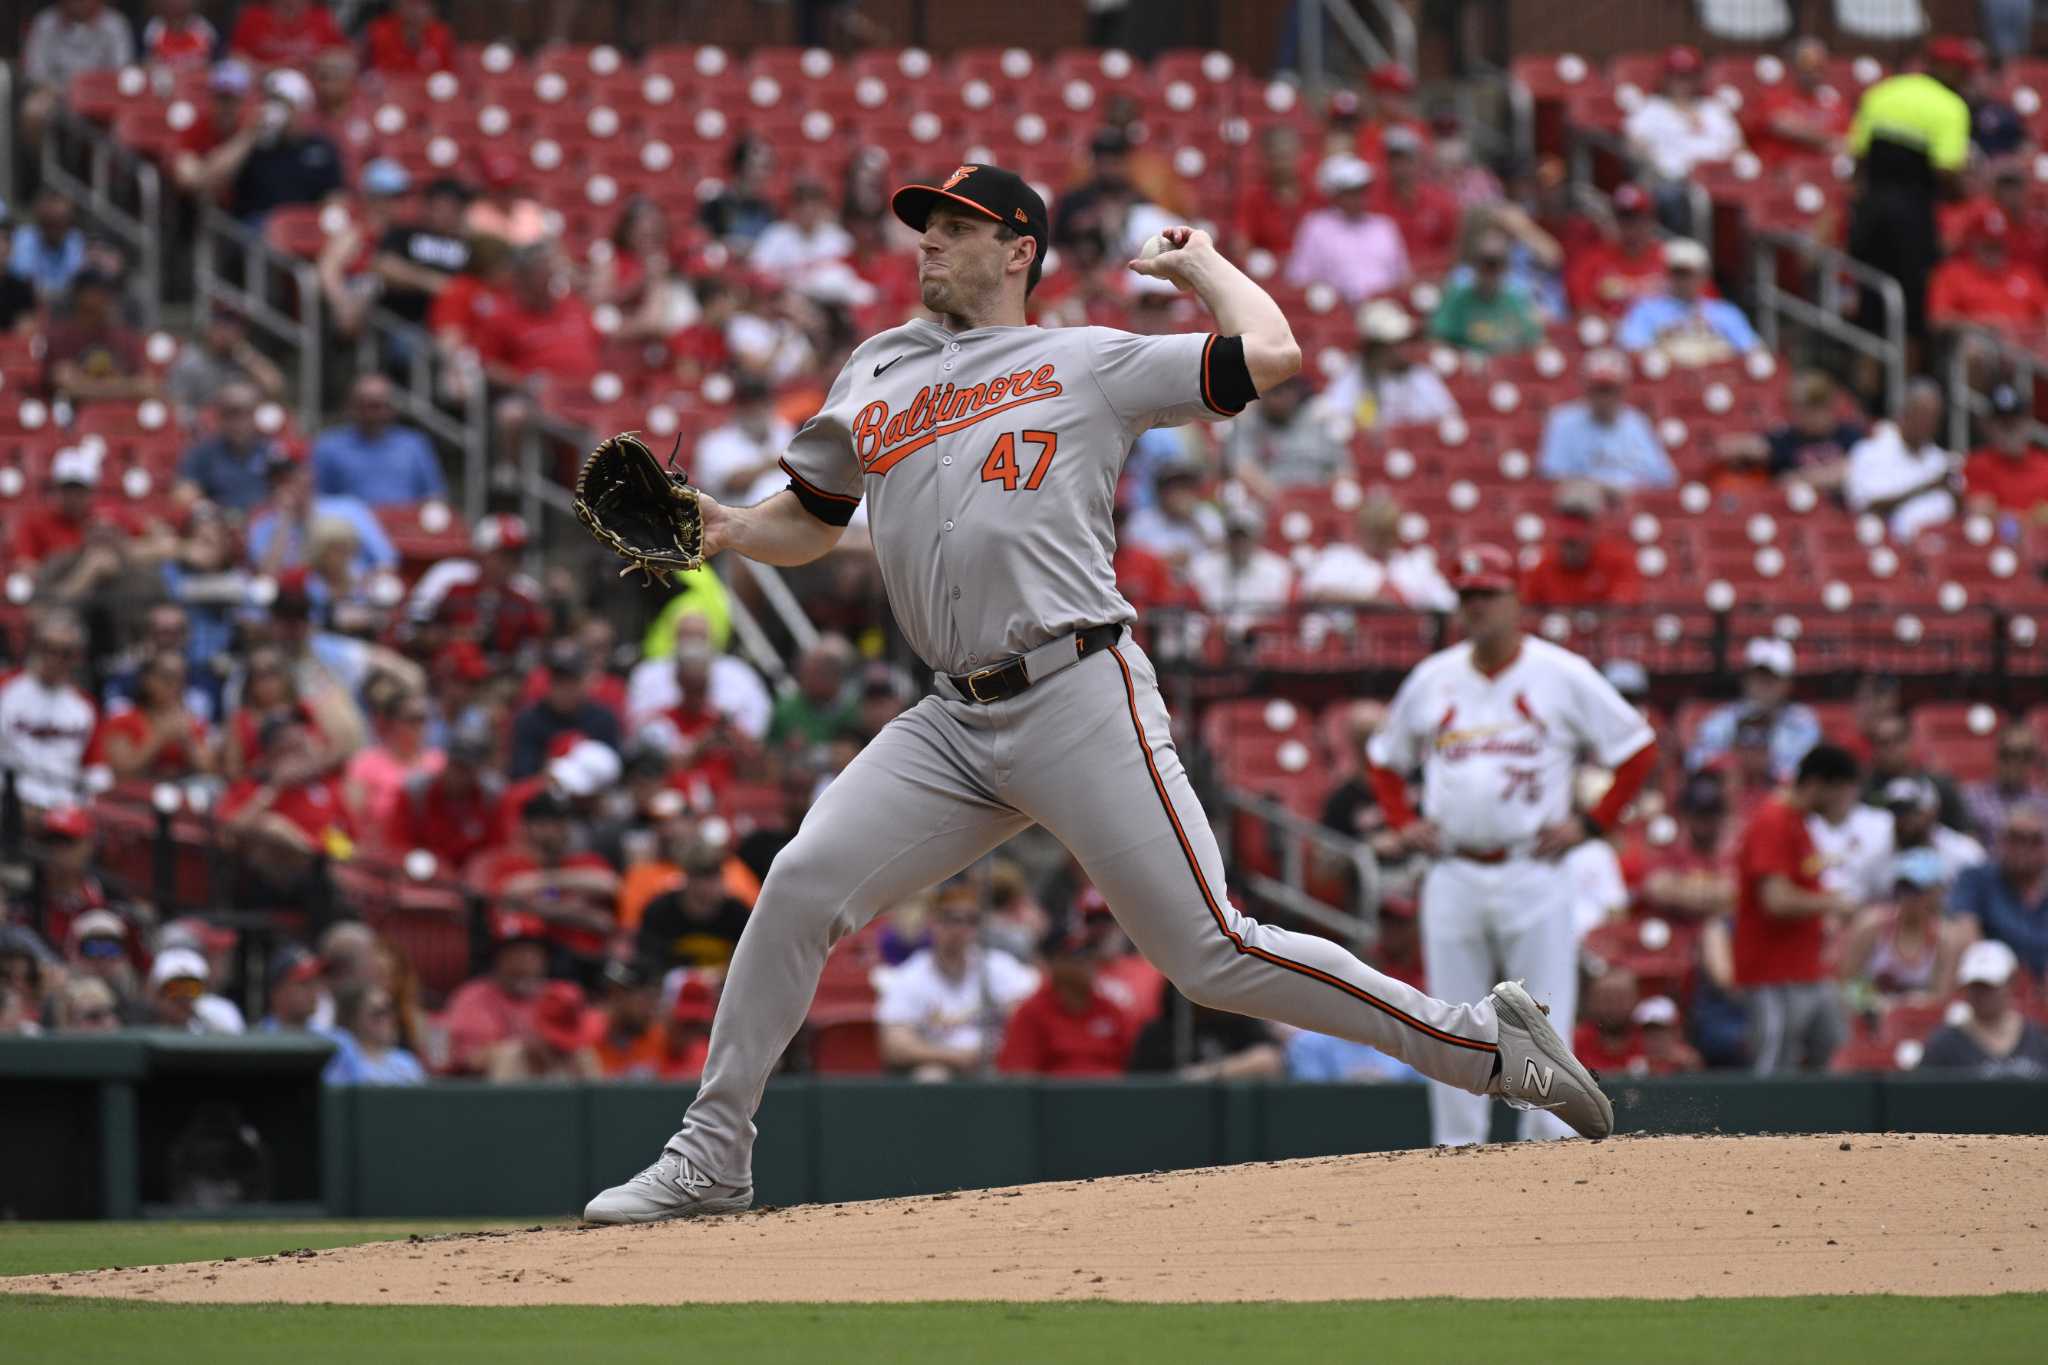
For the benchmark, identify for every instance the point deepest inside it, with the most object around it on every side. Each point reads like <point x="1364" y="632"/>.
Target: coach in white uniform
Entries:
<point x="1498" y="723"/>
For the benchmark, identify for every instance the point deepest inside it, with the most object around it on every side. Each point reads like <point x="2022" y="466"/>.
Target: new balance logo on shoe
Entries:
<point x="689" y="1178"/>
<point x="1537" y="1079"/>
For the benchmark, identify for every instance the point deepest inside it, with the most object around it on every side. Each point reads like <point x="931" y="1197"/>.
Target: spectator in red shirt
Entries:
<point x="1388" y="103"/>
<point x="1275" y="196"/>
<point x="69" y="890"/>
<point x="341" y="109"/>
<point x="492" y="1009"/>
<point x="1427" y="213"/>
<point x="279" y="821"/>
<point x="701" y="349"/>
<point x="1783" y="916"/>
<point x="452" y="814"/>
<point x="284" y="32"/>
<point x="1070" y="1027"/>
<point x="1608" y="277"/>
<point x="82" y="552"/>
<point x="1693" y="877"/>
<point x="408" y="40"/>
<point x="2010" y="473"/>
<point x="1984" y="284"/>
<point x="487" y="600"/>
<point x="1800" y="116"/>
<point x="2026" y="221"/>
<point x="1582" y="567"/>
<point x="534" y="339"/>
<point x="555" y="1047"/>
<point x="158" y="738"/>
<point x="193" y="165"/>
<point x="543" y="873"/>
<point x="178" y="37"/>
<point x="1607" y="1038"/>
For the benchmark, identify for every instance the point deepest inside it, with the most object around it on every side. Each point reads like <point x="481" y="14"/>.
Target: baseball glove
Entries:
<point x="644" y="512"/>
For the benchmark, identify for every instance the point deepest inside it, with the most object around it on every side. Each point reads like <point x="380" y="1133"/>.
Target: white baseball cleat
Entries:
<point x="1538" y="1070"/>
<point x="672" y="1187"/>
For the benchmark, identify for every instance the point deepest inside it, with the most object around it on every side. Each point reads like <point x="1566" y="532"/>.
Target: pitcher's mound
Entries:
<point x="1668" y="1217"/>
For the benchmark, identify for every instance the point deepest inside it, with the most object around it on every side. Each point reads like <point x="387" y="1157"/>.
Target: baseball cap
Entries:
<point x="190" y="931"/>
<point x="566" y="659"/>
<point x="385" y="179"/>
<point x="176" y="964"/>
<point x="989" y="190"/>
<point x="2006" y="401"/>
<point x="1385" y="321"/>
<point x="1771" y="655"/>
<point x="1402" y="139"/>
<point x="68" y="822"/>
<point x="1578" y="498"/>
<point x="1705" y="794"/>
<point x="1391" y="78"/>
<point x="1987" y="962"/>
<point x="695" y="1004"/>
<point x="588" y="768"/>
<point x="98" y="924"/>
<point x="1631" y="199"/>
<point x="293" y="963"/>
<point x="1656" y="1011"/>
<point x="290" y="86"/>
<point x="558" y="1015"/>
<point x="1605" y="366"/>
<point x="1176" y="467"/>
<point x="1483" y="568"/>
<point x="1913" y="793"/>
<point x="1949" y="49"/>
<point x="75" y="465"/>
<point x="1068" y="937"/>
<point x="1342" y="173"/>
<point x="1682" y="59"/>
<point x="1683" y="253"/>
<point x="1920" y="868"/>
<point x="229" y="78"/>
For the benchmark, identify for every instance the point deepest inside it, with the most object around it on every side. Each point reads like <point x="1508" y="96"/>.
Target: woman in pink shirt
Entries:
<point x="379" y="771"/>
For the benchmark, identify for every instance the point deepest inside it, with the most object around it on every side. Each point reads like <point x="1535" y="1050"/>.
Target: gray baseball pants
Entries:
<point x="1088" y="754"/>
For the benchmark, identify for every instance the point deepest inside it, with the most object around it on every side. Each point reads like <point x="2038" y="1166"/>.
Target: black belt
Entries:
<point x="1000" y="682"/>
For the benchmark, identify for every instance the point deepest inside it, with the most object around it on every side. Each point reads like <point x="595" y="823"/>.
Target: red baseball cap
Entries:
<point x="695" y="1002"/>
<point x="1392" y="79"/>
<point x="1682" y="59"/>
<point x="68" y="822"/>
<point x="1605" y="366"/>
<point x="558" y="1016"/>
<point x="1630" y="198"/>
<point x="1483" y="568"/>
<point x="1948" y="49"/>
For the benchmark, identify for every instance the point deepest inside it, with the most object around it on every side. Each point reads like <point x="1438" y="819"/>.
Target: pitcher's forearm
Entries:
<point x="779" y="531"/>
<point x="1242" y="308"/>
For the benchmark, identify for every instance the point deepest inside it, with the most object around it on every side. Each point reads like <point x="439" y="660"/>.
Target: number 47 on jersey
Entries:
<point x="1001" y="465"/>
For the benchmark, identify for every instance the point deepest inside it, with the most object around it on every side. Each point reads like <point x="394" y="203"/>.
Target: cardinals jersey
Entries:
<point x="1497" y="752"/>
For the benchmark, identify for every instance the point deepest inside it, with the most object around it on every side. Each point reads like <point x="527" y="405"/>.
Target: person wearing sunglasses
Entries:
<point x="179" y="997"/>
<point x="2015" y="782"/>
<point x="86" y="1004"/>
<point x="2007" y="898"/>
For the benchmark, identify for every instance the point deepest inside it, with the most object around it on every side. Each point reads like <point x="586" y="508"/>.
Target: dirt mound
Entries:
<point x="1668" y="1217"/>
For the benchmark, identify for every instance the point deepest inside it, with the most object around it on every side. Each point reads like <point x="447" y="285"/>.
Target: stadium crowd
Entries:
<point x="267" y="640"/>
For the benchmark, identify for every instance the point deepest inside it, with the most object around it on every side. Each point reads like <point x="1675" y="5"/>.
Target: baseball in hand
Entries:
<point x="1154" y="244"/>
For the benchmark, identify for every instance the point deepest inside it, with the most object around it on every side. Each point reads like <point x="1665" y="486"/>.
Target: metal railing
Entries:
<point x="114" y="178"/>
<point x="224" y="244"/>
<point x="1298" y="841"/>
<point x="2016" y="364"/>
<point x="1833" y="276"/>
<point x="1399" y="45"/>
<point x="9" y="188"/>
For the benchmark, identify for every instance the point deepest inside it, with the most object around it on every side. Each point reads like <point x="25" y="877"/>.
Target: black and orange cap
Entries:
<point x="1001" y="195"/>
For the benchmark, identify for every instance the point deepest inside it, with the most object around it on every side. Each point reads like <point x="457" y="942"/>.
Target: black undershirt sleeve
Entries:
<point x="1230" y="379"/>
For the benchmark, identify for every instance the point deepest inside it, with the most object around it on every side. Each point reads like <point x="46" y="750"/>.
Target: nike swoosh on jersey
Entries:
<point x="882" y="367"/>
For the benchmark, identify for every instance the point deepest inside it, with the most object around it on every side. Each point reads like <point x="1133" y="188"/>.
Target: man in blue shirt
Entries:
<point x="1768" y="665"/>
<point x="231" y="468"/>
<point x="2008" y="897"/>
<point x="372" y="457"/>
<point x="1603" y="439"/>
<point x="1684" y="324"/>
<point x="49" y="250"/>
<point x="278" y="534"/>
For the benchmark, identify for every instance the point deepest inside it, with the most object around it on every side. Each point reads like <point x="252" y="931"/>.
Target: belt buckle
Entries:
<point x="973" y="692"/>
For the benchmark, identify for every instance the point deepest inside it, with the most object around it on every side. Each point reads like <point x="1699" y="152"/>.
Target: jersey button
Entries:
<point x="948" y="365"/>
<point x="955" y="346"/>
<point x="949" y="526"/>
<point x="956" y="594"/>
<point x="945" y="459"/>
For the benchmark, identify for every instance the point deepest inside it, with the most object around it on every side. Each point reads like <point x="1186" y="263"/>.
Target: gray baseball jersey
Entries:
<point x="989" y="461"/>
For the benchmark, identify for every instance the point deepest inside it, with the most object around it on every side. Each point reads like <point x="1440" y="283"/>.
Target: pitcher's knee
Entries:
<point x="804" y="896"/>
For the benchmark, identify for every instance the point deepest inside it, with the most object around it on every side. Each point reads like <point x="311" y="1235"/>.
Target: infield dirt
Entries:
<point x="1658" y="1217"/>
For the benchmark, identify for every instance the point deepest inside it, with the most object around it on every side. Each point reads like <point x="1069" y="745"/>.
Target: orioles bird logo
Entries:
<point x="959" y="174"/>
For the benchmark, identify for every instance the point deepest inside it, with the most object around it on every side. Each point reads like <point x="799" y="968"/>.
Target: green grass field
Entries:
<point x="1720" y="1331"/>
